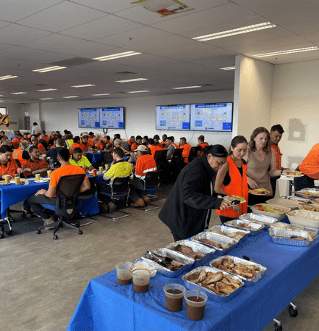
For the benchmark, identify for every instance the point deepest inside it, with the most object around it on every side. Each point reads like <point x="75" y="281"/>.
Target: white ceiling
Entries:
<point x="35" y="34"/>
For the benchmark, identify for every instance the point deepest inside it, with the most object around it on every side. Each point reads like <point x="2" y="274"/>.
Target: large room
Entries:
<point x="62" y="58"/>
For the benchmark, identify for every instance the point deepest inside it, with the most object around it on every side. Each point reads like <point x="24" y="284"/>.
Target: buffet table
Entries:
<point x="105" y="305"/>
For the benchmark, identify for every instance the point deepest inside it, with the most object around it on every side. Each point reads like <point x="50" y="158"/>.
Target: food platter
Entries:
<point x="305" y="218"/>
<point x="2" y="182"/>
<point x="44" y="180"/>
<point x="284" y="203"/>
<point x="259" y="191"/>
<point x="294" y="174"/>
<point x="271" y="210"/>
<point x="231" y="198"/>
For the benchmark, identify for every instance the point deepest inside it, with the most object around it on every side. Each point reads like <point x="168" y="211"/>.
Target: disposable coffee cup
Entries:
<point x="195" y="307"/>
<point x="107" y="167"/>
<point x="141" y="280"/>
<point x="37" y="176"/>
<point x="7" y="179"/>
<point x="101" y="169"/>
<point x="94" y="172"/>
<point x="174" y="294"/>
<point x="49" y="173"/>
<point x="17" y="180"/>
<point x="124" y="275"/>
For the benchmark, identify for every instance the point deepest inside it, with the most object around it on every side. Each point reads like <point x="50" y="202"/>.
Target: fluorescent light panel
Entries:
<point x="116" y="56"/>
<point x="86" y="85"/>
<point x="130" y="80"/>
<point x="46" y="99"/>
<point x="289" y="51"/>
<point x="228" y="68"/>
<point x="71" y="96"/>
<point x="19" y="93"/>
<point x="97" y="95"/>
<point x="138" y="91"/>
<point x="7" y="77"/>
<point x="47" y="90"/>
<point x="49" y="69"/>
<point x="185" y="87"/>
<point x="233" y="32"/>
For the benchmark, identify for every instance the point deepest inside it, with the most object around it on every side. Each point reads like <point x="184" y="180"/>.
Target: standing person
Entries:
<point x="261" y="164"/>
<point x="186" y="149"/>
<point x="187" y="209"/>
<point x="35" y="128"/>
<point x="35" y="165"/>
<point x="232" y="180"/>
<point x="275" y="133"/>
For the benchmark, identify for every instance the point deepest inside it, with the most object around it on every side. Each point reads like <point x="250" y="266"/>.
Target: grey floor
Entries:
<point x="42" y="280"/>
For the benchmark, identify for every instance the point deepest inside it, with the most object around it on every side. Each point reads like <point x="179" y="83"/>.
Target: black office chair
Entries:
<point x="176" y="162"/>
<point x="66" y="207"/>
<point x="193" y="154"/>
<point x="151" y="182"/>
<point x="119" y="188"/>
<point x="107" y="157"/>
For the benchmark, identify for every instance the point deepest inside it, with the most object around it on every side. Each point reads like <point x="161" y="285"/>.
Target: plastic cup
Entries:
<point x="107" y="167"/>
<point x="141" y="280"/>
<point x="49" y="173"/>
<point x="94" y="172"/>
<point x="124" y="275"/>
<point x="85" y="169"/>
<point x="37" y="176"/>
<point x="17" y="180"/>
<point x="174" y="294"/>
<point x="101" y="169"/>
<point x="195" y="308"/>
<point x="7" y="179"/>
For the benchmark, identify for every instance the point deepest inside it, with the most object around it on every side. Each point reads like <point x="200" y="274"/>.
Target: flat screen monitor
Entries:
<point x="89" y="117"/>
<point x="112" y="118"/>
<point x="212" y="117"/>
<point x="172" y="117"/>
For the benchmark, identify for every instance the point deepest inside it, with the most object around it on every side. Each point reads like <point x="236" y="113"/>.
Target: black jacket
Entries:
<point x="189" y="201"/>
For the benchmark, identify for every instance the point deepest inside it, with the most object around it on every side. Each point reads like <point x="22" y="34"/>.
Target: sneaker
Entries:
<point x="146" y="199"/>
<point x="48" y="221"/>
<point x="27" y="213"/>
<point x="103" y="208"/>
<point x="112" y="207"/>
<point x="138" y="203"/>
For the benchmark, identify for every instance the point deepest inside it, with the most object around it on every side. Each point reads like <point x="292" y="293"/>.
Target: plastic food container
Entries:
<point x="279" y="216"/>
<point x="306" y="218"/>
<point x="283" y="237"/>
<point x="256" y="227"/>
<point x="229" y="232"/>
<point x="267" y="220"/>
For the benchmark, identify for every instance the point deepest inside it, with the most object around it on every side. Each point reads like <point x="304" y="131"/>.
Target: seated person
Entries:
<point x="118" y="144"/>
<point x="84" y="145"/>
<point x="119" y="168"/>
<point x="131" y="141"/>
<point x="202" y="144"/>
<point x="156" y="139"/>
<point x="49" y="196"/>
<point x="144" y="163"/>
<point x="8" y="166"/>
<point x="80" y="160"/>
<point x="163" y="143"/>
<point x="186" y="149"/>
<point x="16" y="140"/>
<point x="21" y="154"/>
<point x="170" y="147"/>
<point x="138" y="141"/>
<point x="52" y="153"/>
<point x="35" y="165"/>
<point x="152" y="147"/>
<point x="25" y="137"/>
<point x="35" y="142"/>
<point x="42" y="140"/>
<point x="76" y="144"/>
<point x="102" y="143"/>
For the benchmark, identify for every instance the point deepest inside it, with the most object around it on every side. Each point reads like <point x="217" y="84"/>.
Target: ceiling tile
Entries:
<point x="304" y="27"/>
<point x="109" y="6"/>
<point x="61" y="16"/>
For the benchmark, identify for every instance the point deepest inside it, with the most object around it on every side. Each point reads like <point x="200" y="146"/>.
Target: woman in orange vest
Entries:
<point x="232" y="180"/>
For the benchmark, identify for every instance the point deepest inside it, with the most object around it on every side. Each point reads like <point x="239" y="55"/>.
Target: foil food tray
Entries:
<point x="282" y="237"/>
<point x="176" y="256"/>
<point x="279" y="216"/>
<point x="234" y="223"/>
<point x="216" y="237"/>
<point x="196" y="247"/>
<point x="295" y="198"/>
<point x="228" y="229"/>
<point x="267" y="220"/>
<point x="290" y="227"/>
<point x="305" y="218"/>
<point x="248" y="282"/>
<point x="310" y="190"/>
<point x="210" y="294"/>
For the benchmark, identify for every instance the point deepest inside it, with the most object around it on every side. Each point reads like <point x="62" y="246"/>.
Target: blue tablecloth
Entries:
<point x="94" y="157"/>
<point x="105" y="305"/>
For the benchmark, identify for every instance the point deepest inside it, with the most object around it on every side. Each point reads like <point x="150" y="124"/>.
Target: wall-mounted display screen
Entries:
<point x="212" y="117"/>
<point x="89" y="117"/>
<point x="112" y="118"/>
<point x="172" y="117"/>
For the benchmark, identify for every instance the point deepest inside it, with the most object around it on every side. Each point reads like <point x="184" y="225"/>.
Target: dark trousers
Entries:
<point x="303" y="182"/>
<point x="254" y="199"/>
<point x="104" y="188"/>
<point x="137" y="189"/>
<point x="224" y="219"/>
<point x="34" y="202"/>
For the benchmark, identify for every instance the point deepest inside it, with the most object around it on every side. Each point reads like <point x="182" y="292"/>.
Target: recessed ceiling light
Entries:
<point x="233" y="32"/>
<point x="130" y="80"/>
<point x="185" y="87"/>
<point x="46" y="99"/>
<point x="7" y="77"/>
<point x="116" y="56"/>
<point x="71" y="96"/>
<point x="228" y="68"/>
<point x="96" y="95"/>
<point x="138" y="91"/>
<point x="86" y="85"/>
<point x="48" y="89"/>
<point x="19" y="93"/>
<point x="289" y="51"/>
<point x="49" y="69"/>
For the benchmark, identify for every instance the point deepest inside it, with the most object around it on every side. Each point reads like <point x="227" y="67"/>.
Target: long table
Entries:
<point x="105" y="305"/>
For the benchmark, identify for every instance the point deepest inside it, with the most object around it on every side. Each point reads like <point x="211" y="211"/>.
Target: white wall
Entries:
<point x="252" y="95"/>
<point x="296" y="96"/>
<point x="139" y="115"/>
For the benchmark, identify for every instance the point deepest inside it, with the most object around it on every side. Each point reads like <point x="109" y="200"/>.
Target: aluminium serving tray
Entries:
<point x="283" y="237"/>
<point x="305" y="218"/>
<point x="210" y="294"/>
<point x="248" y="282"/>
<point x="176" y="256"/>
<point x="218" y="238"/>
<point x="280" y="216"/>
<point x="257" y="226"/>
<point x="196" y="247"/>
<point x="228" y="230"/>
<point x="266" y="220"/>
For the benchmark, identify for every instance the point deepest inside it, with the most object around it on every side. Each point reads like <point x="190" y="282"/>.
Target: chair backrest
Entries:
<point x="106" y="157"/>
<point x="158" y="155"/>
<point x="151" y="180"/>
<point x="67" y="193"/>
<point x="120" y="185"/>
<point x="192" y="154"/>
<point x="177" y="157"/>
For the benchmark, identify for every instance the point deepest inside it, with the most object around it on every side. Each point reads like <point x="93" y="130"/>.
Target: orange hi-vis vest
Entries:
<point x="202" y="145"/>
<point x="144" y="163"/>
<point x="237" y="186"/>
<point x="175" y="145"/>
<point x="186" y="150"/>
<point x="276" y="149"/>
<point x="155" y="148"/>
<point x="17" y="154"/>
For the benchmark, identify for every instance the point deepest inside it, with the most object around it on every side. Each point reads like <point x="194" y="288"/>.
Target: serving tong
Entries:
<point x="164" y="262"/>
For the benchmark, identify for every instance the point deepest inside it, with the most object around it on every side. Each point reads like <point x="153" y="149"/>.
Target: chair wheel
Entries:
<point x="9" y="232"/>
<point x="55" y="237"/>
<point x="1" y="235"/>
<point x="292" y="312"/>
<point x="278" y="327"/>
<point x="80" y="232"/>
<point x="38" y="232"/>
